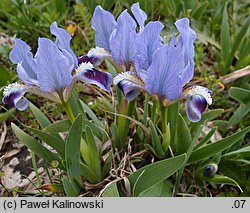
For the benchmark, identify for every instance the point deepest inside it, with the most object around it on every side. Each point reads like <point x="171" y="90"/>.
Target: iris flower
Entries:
<point x="53" y="71"/>
<point x="118" y="37"/>
<point x="164" y="69"/>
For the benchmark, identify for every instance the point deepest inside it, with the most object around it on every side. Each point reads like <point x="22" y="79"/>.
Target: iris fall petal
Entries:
<point x="13" y="95"/>
<point x="198" y="97"/>
<point x="95" y="56"/>
<point x="195" y="106"/>
<point x="129" y="84"/>
<point x="86" y="72"/>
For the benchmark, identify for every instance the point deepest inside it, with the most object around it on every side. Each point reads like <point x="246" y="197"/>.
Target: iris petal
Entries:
<point x="53" y="71"/>
<point x="95" y="56"/>
<point x="122" y="40"/>
<point x="87" y="73"/>
<point x="186" y="43"/>
<point x="199" y="90"/>
<point x="139" y="14"/>
<point x="129" y="89"/>
<point x="103" y="22"/>
<point x="198" y="98"/>
<point x="145" y="44"/>
<point x="129" y="84"/>
<point x="24" y="76"/>
<point x="13" y="95"/>
<point x="163" y="75"/>
<point x="21" y="54"/>
<point x="63" y="39"/>
<point x="195" y="106"/>
<point x="98" y="55"/>
<point x="85" y="59"/>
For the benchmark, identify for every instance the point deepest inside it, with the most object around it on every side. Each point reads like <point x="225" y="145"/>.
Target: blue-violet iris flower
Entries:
<point x="118" y="37"/>
<point x="54" y="69"/>
<point x="161" y="69"/>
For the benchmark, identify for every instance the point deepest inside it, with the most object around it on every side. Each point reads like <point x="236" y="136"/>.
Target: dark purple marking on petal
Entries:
<point x="101" y="79"/>
<point x="195" y="106"/>
<point x="209" y="91"/>
<point x="95" y="61"/>
<point x="15" y="99"/>
<point x="85" y="59"/>
<point x="9" y="99"/>
<point x="129" y="89"/>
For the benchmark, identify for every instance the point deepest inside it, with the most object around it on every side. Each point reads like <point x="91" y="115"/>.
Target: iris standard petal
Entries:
<point x="103" y="22"/>
<point x="195" y="106"/>
<point x="139" y="14"/>
<point x="13" y="95"/>
<point x="186" y="43"/>
<point x="21" y="54"/>
<point x="52" y="69"/>
<point x="95" y="56"/>
<point x="122" y="41"/>
<point x="24" y="76"/>
<point x="145" y="44"/>
<point x="86" y="72"/>
<point x="163" y="75"/>
<point x="63" y="39"/>
<point x="129" y="84"/>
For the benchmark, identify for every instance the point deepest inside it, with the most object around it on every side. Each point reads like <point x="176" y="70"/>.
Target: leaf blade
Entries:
<point x="157" y="172"/>
<point x="72" y="153"/>
<point x="212" y="149"/>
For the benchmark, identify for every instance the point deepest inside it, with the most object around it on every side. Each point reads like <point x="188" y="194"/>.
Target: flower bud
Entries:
<point x="210" y="170"/>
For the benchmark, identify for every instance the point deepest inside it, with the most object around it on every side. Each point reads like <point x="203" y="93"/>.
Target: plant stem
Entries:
<point x="69" y="111"/>
<point x="145" y="114"/>
<point x="122" y="125"/>
<point x="67" y="108"/>
<point x="127" y="109"/>
<point x="164" y="111"/>
<point x="165" y="128"/>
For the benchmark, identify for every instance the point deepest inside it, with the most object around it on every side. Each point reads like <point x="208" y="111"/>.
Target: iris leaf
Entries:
<point x="154" y="173"/>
